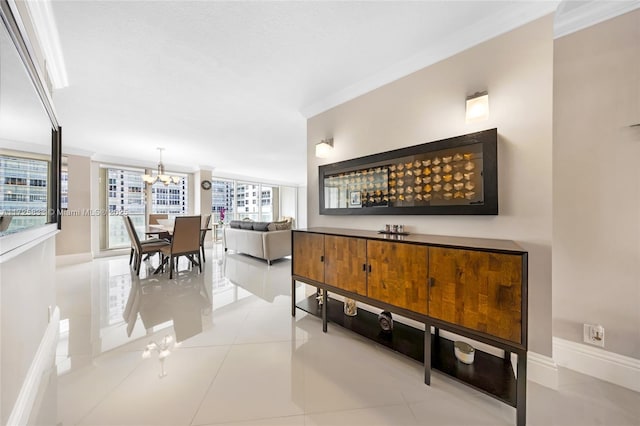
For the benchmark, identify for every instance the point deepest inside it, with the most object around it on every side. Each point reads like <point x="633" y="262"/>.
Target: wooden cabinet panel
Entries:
<point x="478" y="290"/>
<point x="398" y="274"/>
<point x="344" y="263"/>
<point x="308" y="254"/>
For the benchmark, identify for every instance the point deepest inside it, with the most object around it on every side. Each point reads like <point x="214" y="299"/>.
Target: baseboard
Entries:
<point x="542" y="370"/>
<point x="611" y="367"/>
<point x="73" y="259"/>
<point x="42" y="362"/>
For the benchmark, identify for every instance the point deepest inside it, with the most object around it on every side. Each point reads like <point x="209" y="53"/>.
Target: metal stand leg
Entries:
<point x="521" y="389"/>
<point x="427" y="354"/>
<point x="324" y="311"/>
<point x="293" y="297"/>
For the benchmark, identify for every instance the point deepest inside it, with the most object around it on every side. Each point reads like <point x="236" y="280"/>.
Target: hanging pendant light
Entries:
<point x="161" y="176"/>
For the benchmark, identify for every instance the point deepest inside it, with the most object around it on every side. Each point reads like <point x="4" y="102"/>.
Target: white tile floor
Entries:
<point x="244" y="360"/>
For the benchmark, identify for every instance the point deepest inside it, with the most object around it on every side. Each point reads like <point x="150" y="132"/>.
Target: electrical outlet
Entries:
<point x="594" y="334"/>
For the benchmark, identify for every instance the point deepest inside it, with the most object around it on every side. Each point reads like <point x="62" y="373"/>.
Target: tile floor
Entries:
<point x="242" y="359"/>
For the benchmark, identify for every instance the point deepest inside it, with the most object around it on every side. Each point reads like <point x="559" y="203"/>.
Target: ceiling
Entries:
<point x="228" y="85"/>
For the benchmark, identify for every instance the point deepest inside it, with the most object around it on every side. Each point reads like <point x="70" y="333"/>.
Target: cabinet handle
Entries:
<point x="369" y="268"/>
<point x="364" y="267"/>
<point x="321" y="258"/>
<point x="432" y="281"/>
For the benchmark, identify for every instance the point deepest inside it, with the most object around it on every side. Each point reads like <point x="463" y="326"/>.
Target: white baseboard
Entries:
<point x="611" y="367"/>
<point x="73" y="259"/>
<point x="542" y="370"/>
<point x="43" y="361"/>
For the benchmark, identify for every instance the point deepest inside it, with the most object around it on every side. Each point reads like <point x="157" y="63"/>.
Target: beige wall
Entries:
<point x="516" y="68"/>
<point x="75" y="236"/>
<point x="27" y="291"/>
<point x="596" y="194"/>
<point x="202" y="198"/>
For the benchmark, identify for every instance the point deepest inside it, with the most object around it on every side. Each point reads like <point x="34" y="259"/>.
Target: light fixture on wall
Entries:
<point x="477" y="107"/>
<point x="166" y="179"/>
<point x="324" y="148"/>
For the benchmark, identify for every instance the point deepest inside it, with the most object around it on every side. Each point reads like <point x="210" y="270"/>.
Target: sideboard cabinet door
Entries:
<point x="308" y="255"/>
<point x="478" y="290"/>
<point x="345" y="263"/>
<point x="398" y="274"/>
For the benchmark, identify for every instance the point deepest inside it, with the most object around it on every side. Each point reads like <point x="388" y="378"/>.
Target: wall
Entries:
<point x="289" y="203"/>
<point x="596" y="194"/>
<point x="202" y="197"/>
<point x="516" y="68"/>
<point x="27" y="289"/>
<point x="75" y="236"/>
<point x="303" y="215"/>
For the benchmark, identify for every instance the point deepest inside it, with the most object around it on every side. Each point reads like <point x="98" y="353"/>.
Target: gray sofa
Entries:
<point x="264" y="242"/>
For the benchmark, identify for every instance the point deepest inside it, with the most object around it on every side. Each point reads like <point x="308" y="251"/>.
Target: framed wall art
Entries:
<point x="452" y="176"/>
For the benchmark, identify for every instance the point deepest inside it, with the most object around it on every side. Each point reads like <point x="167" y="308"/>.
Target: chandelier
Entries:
<point x="161" y="176"/>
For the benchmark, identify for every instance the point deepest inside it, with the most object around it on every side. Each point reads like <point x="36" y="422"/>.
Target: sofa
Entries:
<point x="264" y="240"/>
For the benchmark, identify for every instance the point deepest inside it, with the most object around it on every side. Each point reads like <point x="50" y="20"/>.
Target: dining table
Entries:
<point x="167" y="229"/>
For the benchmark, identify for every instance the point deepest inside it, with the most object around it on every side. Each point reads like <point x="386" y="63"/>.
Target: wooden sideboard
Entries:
<point x="472" y="287"/>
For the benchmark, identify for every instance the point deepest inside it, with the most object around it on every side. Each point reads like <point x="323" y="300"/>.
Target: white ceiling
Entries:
<point x="225" y="84"/>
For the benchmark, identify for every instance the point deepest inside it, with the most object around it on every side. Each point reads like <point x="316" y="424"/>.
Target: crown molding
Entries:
<point x="479" y="32"/>
<point x="587" y="14"/>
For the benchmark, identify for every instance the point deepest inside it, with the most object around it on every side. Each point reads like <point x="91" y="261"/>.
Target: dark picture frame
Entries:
<point x="453" y="176"/>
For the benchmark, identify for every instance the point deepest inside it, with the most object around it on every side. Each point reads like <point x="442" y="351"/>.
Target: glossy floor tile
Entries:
<point x="237" y="356"/>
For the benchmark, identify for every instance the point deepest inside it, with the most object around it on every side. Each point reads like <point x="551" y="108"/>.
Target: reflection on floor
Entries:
<point x="237" y="355"/>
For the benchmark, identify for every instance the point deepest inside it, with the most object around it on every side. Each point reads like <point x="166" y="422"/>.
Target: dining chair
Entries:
<point x="185" y="242"/>
<point x="139" y="248"/>
<point x="206" y="223"/>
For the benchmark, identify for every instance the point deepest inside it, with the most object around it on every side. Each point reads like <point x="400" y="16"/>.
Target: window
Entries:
<point x="266" y="203"/>
<point x="255" y="201"/>
<point x="64" y="187"/>
<point x="222" y="206"/>
<point x="170" y="199"/>
<point x="125" y="195"/>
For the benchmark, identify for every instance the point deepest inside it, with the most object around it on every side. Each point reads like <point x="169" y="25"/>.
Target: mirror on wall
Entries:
<point x="28" y="187"/>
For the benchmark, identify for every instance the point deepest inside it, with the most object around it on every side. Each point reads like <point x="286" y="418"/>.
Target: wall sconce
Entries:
<point x="477" y="107"/>
<point x="324" y="148"/>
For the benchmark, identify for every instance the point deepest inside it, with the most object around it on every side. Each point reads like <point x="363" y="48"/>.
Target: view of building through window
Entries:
<point x="23" y="185"/>
<point x="64" y="187"/>
<point x="170" y="199"/>
<point x="222" y="206"/>
<point x="126" y="196"/>
<point x="258" y="202"/>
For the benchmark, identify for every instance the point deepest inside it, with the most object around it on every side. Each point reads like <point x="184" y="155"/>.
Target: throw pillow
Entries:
<point x="282" y="226"/>
<point x="261" y="226"/>
<point x="246" y="225"/>
<point x="235" y="224"/>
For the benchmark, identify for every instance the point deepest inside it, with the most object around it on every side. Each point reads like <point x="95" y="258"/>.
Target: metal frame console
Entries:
<point x="471" y="287"/>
